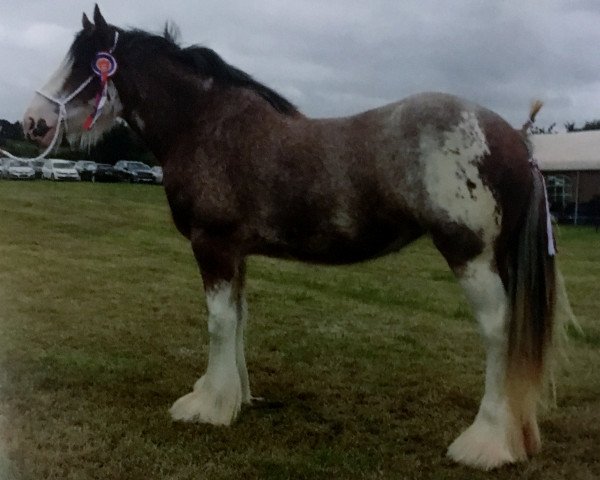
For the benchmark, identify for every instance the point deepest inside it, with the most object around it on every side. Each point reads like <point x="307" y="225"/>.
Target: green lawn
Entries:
<point x="371" y="370"/>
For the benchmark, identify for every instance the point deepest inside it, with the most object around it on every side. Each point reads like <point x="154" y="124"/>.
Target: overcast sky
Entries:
<point x="339" y="57"/>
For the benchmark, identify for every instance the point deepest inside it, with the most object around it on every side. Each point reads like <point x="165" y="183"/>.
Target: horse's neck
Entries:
<point x="196" y="112"/>
<point x="158" y="107"/>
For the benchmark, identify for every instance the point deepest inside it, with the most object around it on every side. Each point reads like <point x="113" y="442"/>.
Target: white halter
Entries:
<point x="62" y="111"/>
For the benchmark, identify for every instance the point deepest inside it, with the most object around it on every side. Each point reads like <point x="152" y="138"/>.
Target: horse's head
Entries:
<point x="81" y="91"/>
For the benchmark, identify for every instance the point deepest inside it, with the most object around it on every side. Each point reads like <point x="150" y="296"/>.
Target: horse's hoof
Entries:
<point x="483" y="446"/>
<point x="207" y="404"/>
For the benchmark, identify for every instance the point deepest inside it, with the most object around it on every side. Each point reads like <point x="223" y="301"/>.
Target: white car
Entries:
<point x="4" y="166"/>
<point x="57" y="169"/>
<point x="18" y="169"/>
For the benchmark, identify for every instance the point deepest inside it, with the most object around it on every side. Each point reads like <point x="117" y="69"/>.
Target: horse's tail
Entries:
<point x="532" y="290"/>
<point x="536" y="106"/>
<point x="532" y="323"/>
<point x="539" y="303"/>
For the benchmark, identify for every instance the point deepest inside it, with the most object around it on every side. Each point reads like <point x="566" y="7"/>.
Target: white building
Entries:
<point x="571" y="164"/>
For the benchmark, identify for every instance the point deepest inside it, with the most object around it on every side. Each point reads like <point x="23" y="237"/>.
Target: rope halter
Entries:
<point x="104" y="66"/>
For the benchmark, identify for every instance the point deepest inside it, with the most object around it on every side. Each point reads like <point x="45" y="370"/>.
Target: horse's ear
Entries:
<point x="99" y="19"/>
<point x="87" y="25"/>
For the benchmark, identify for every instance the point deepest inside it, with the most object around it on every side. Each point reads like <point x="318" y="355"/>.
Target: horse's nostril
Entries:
<point x="31" y="123"/>
<point x="40" y="129"/>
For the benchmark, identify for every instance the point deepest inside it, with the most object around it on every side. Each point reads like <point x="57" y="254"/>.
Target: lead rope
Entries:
<point x="104" y="66"/>
<point x="549" y="232"/>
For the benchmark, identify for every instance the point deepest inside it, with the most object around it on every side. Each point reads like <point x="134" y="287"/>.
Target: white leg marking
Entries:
<point x="495" y="436"/>
<point x="240" y="356"/>
<point x="217" y="395"/>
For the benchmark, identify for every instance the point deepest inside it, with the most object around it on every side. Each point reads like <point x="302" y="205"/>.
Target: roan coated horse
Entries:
<point x="245" y="173"/>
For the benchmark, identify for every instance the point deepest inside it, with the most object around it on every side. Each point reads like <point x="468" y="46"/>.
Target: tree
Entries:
<point x="120" y="143"/>
<point x="591" y="125"/>
<point x="541" y="130"/>
<point x="10" y="131"/>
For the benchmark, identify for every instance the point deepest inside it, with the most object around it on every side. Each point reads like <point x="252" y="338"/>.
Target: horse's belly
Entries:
<point x="338" y="248"/>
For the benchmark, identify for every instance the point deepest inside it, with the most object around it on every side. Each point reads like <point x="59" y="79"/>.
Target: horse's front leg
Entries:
<point x="219" y="393"/>
<point x="240" y="355"/>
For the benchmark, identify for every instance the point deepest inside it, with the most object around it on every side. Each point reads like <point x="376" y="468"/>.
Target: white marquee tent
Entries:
<point x="568" y="151"/>
<point x="571" y="164"/>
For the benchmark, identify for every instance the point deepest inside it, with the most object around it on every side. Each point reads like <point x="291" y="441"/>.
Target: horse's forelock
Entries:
<point x="89" y="42"/>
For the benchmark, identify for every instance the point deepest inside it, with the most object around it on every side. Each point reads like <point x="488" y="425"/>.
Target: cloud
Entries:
<point x="38" y="36"/>
<point x="343" y="56"/>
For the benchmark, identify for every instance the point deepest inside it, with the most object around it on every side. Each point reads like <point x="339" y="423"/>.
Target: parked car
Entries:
<point x="158" y="174"/>
<point x="18" y="169"/>
<point x="104" y="173"/>
<point x="57" y="169"/>
<point x="37" y="166"/>
<point x="4" y="166"/>
<point x="134" y="172"/>
<point x="85" y="169"/>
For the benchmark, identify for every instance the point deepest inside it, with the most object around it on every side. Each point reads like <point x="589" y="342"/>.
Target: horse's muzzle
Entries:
<point x="38" y="130"/>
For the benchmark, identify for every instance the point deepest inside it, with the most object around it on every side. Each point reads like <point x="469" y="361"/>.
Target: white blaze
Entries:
<point x="40" y="107"/>
<point x="54" y="85"/>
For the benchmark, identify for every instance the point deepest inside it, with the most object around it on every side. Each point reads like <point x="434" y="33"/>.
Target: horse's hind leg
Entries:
<point x="496" y="436"/>
<point x="219" y="393"/>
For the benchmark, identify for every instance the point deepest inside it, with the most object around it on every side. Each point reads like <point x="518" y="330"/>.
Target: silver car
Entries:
<point x="86" y="169"/>
<point x="18" y="169"/>
<point x="158" y="174"/>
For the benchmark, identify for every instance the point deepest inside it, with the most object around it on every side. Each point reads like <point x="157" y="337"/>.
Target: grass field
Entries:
<point x="371" y="370"/>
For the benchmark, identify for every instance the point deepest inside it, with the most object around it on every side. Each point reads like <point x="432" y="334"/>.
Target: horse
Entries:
<point x="246" y="173"/>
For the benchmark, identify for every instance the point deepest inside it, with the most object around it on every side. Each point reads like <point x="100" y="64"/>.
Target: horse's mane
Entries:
<point x="206" y="62"/>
